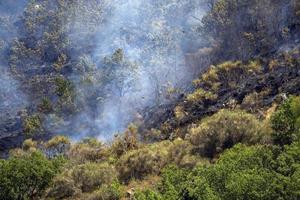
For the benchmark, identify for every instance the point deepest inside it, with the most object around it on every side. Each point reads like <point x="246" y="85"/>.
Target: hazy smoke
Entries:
<point x="12" y="99"/>
<point x="154" y="37"/>
<point x="134" y="59"/>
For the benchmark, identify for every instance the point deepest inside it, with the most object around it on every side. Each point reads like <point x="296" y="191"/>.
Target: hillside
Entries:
<point x="150" y="100"/>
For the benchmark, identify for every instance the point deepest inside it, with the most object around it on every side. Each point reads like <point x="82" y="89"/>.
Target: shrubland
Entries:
<point x="229" y="155"/>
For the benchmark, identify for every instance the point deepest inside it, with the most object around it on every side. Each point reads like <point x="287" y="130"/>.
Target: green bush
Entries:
<point x="147" y="195"/>
<point x="88" y="150"/>
<point x="63" y="186"/>
<point x="107" y="192"/>
<point x="247" y="173"/>
<point x="45" y="106"/>
<point x="242" y="172"/>
<point x="125" y="142"/>
<point x="27" y="176"/>
<point x="286" y="122"/>
<point x="64" y="87"/>
<point x="137" y="164"/>
<point x="200" y="189"/>
<point x="152" y="158"/>
<point x="32" y="125"/>
<point x="90" y="176"/>
<point x="223" y="130"/>
<point x="173" y="183"/>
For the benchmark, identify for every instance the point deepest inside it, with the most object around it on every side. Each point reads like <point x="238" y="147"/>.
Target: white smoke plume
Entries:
<point x="153" y="37"/>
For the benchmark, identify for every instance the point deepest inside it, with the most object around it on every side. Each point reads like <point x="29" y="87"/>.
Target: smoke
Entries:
<point x="127" y="56"/>
<point x="151" y="39"/>
<point x="12" y="99"/>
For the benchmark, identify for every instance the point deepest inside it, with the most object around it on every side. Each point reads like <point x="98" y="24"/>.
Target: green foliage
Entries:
<point x="226" y="75"/>
<point x="286" y="122"/>
<point x="26" y="177"/>
<point x="88" y="150"/>
<point x="107" y="192"/>
<point x="200" y="189"/>
<point x="65" y="91"/>
<point x="62" y="187"/>
<point x="32" y="125"/>
<point x="45" y="106"/>
<point x="125" y="142"/>
<point x="137" y="164"/>
<point x="223" y="130"/>
<point x="241" y="173"/>
<point x="288" y="161"/>
<point x="152" y="158"/>
<point x="147" y="195"/>
<point x="64" y="87"/>
<point x="173" y="182"/>
<point x="90" y="176"/>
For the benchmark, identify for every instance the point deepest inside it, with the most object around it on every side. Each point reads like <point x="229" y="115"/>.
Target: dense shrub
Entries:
<point x="173" y="183"/>
<point x="151" y="159"/>
<point x="247" y="172"/>
<point x="286" y="122"/>
<point x="32" y="125"/>
<point x="125" y="142"/>
<point x="147" y="195"/>
<point x="63" y="187"/>
<point x="27" y="176"/>
<point x="45" y="106"/>
<point x="90" y="176"/>
<point x="88" y="150"/>
<point x="224" y="129"/>
<point x="241" y="173"/>
<point x="137" y="164"/>
<point x="107" y="192"/>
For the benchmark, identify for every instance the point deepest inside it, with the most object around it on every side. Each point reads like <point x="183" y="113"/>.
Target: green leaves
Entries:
<point x="286" y="122"/>
<point x="26" y="177"/>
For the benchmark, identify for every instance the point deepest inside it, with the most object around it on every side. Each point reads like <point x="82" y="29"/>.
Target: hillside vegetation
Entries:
<point x="233" y="133"/>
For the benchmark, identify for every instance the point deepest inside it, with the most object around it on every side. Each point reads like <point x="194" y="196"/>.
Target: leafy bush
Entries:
<point x="64" y="87"/>
<point x="125" y="142"/>
<point x="88" y="150"/>
<point x="107" y="192"/>
<point x="223" y="130"/>
<point x="152" y="158"/>
<point x="173" y="183"/>
<point x="90" y="176"/>
<point x="137" y="164"/>
<point x="32" y="125"/>
<point x="247" y="172"/>
<point x="147" y="195"/>
<point x="27" y="176"/>
<point x="286" y="122"/>
<point x="45" y="106"/>
<point x="63" y="187"/>
<point x="241" y="173"/>
<point x="180" y="153"/>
